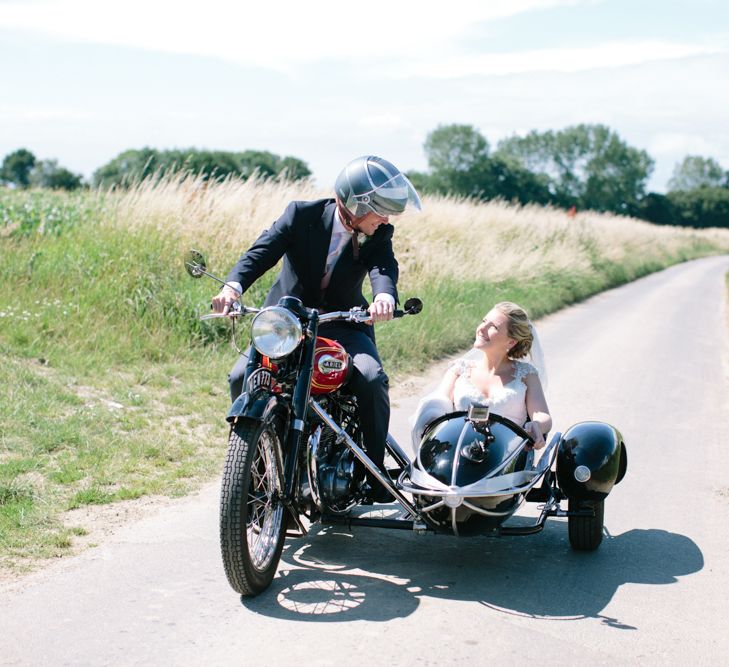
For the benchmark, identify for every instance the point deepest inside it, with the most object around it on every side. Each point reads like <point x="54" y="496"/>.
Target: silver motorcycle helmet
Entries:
<point x="372" y="184"/>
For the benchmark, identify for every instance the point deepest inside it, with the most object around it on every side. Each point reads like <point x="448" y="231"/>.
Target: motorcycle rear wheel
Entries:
<point x="252" y="516"/>
<point x="585" y="532"/>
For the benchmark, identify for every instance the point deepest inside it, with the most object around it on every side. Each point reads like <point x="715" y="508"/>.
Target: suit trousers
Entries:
<point x="369" y="384"/>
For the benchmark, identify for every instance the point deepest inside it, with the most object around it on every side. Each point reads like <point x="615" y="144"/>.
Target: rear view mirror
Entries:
<point x="413" y="306"/>
<point x="195" y="263"/>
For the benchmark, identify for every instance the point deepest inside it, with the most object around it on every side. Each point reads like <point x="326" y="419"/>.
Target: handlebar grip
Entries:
<point x="236" y="306"/>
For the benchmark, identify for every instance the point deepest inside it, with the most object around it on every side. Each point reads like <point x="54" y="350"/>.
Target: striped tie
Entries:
<point x="339" y="240"/>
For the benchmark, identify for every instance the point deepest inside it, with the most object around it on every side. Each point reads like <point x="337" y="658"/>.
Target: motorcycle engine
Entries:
<point x="334" y="473"/>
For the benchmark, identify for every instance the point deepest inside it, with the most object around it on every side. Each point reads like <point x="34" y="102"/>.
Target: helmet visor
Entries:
<point x="390" y="198"/>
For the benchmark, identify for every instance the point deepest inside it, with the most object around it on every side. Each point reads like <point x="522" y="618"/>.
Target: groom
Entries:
<point x="328" y="246"/>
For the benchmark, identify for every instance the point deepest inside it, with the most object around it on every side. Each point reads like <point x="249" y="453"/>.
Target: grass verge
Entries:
<point x="110" y="387"/>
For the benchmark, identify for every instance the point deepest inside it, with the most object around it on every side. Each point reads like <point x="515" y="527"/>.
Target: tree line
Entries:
<point x="582" y="167"/>
<point x="21" y="169"/>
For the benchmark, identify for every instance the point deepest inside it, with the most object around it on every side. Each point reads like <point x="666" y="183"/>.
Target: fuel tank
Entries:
<point x="332" y="366"/>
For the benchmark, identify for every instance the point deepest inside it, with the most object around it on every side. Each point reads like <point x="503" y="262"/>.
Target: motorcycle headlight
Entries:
<point x="276" y="332"/>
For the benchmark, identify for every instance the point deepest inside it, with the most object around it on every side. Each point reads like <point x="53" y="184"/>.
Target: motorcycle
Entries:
<point x="295" y="449"/>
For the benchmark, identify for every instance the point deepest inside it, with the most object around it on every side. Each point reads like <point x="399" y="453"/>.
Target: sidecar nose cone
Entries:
<point x="453" y="500"/>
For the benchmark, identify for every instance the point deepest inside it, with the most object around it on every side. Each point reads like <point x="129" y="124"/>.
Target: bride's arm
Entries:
<point x="447" y="384"/>
<point x="433" y="405"/>
<point x="536" y="405"/>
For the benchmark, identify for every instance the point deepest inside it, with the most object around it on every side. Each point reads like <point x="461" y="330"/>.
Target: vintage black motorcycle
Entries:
<point x="295" y="450"/>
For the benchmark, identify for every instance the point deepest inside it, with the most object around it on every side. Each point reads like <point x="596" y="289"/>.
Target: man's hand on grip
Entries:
<point x="225" y="299"/>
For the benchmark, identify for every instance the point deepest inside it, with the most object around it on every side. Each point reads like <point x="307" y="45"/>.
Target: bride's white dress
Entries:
<point x="508" y="401"/>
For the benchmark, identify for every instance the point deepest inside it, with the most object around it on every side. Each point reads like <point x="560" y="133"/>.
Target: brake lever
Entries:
<point x="236" y="310"/>
<point x="214" y="316"/>
<point x="358" y="315"/>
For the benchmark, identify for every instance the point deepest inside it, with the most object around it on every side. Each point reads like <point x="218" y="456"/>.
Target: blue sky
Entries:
<point x="82" y="80"/>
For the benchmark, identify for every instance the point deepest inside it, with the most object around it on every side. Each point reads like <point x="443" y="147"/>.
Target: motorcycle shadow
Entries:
<point x="334" y="574"/>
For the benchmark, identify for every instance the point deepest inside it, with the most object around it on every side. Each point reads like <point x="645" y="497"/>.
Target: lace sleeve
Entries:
<point x="459" y="367"/>
<point x="524" y="368"/>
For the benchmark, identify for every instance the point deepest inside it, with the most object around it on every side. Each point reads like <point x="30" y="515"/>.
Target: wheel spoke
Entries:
<point x="258" y="499"/>
<point x="257" y="476"/>
<point x="264" y="512"/>
<point x="255" y="519"/>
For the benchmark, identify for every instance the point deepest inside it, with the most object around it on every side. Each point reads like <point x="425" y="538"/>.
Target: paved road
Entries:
<point x="650" y="357"/>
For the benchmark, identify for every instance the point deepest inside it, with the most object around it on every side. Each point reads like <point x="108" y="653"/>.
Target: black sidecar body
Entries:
<point x="471" y="474"/>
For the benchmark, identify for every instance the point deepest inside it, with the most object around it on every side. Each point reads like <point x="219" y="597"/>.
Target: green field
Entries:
<point x="110" y="387"/>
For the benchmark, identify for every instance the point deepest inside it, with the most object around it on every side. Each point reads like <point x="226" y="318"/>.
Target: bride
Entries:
<point x="511" y="387"/>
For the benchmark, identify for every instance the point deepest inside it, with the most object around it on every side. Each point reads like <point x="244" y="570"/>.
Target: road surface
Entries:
<point x="649" y="357"/>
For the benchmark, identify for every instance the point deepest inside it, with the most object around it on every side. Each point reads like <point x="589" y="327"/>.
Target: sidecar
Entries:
<point x="473" y="470"/>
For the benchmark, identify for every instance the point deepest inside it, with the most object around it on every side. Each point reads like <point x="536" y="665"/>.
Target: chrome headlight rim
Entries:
<point x="276" y="332"/>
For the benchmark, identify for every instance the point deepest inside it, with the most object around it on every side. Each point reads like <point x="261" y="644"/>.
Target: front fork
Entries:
<point x="300" y="404"/>
<point x="297" y="417"/>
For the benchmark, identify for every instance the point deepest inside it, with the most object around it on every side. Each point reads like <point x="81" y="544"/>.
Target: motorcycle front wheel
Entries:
<point x="252" y="516"/>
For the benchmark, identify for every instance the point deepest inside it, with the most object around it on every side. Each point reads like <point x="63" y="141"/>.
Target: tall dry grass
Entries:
<point x="450" y="238"/>
<point x="495" y="240"/>
<point x="233" y="211"/>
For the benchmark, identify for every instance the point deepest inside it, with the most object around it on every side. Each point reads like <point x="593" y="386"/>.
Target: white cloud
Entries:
<point x="382" y="122"/>
<point x="614" y="54"/>
<point x="279" y="35"/>
<point x="676" y="143"/>
<point x="29" y="114"/>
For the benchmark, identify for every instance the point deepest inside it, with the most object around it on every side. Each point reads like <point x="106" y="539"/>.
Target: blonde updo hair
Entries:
<point x="518" y="328"/>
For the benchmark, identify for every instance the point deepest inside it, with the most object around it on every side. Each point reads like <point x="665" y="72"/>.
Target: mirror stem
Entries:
<point x="210" y="275"/>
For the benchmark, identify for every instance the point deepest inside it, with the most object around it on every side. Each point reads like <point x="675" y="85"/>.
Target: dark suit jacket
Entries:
<point x="301" y="236"/>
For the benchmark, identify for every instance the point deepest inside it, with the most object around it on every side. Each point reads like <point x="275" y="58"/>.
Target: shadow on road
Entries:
<point x="378" y="575"/>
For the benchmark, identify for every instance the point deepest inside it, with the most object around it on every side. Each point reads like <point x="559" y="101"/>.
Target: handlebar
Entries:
<point x="236" y="310"/>
<point x="351" y="315"/>
<point x="356" y="314"/>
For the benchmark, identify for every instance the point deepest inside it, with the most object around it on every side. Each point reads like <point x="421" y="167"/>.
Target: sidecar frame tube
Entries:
<point x="551" y="508"/>
<point x="442" y="491"/>
<point x="517" y="531"/>
<point x="397" y="452"/>
<point x="399" y="524"/>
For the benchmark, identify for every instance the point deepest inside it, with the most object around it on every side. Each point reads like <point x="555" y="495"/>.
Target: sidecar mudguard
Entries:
<point x="591" y="459"/>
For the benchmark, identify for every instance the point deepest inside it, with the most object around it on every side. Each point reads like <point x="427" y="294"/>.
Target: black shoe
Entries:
<point x="376" y="493"/>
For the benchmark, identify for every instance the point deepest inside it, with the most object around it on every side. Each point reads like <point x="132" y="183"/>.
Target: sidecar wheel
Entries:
<point x="252" y="517"/>
<point x="585" y="532"/>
